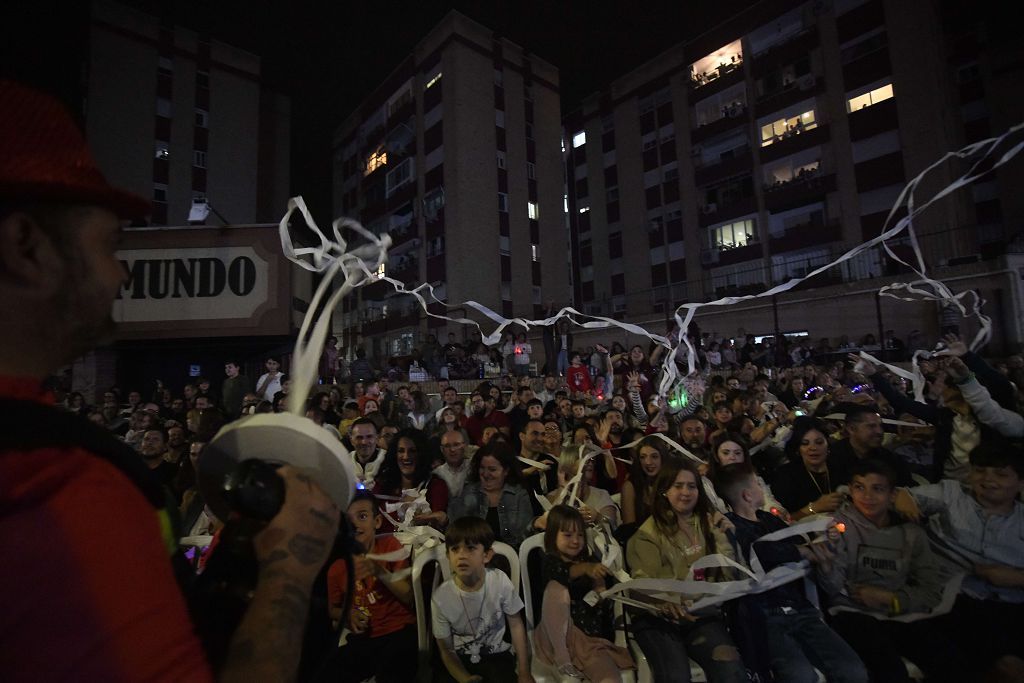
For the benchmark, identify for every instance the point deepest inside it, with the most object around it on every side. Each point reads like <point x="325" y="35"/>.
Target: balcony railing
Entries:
<point x="708" y="77"/>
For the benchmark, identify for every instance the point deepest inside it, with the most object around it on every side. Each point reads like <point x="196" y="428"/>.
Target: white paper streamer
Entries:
<point x="332" y="257"/>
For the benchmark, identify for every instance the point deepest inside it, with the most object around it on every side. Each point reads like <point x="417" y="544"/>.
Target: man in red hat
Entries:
<point x="86" y="584"/>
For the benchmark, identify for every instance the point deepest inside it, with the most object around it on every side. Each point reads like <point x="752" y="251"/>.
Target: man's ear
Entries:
<point x="27" y="253"/>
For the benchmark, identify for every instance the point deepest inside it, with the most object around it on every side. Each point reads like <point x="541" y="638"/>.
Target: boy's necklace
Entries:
<point x="474" y="647"/>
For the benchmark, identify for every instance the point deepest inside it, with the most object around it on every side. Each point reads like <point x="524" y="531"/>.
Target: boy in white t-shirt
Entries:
<point x="469" y="612"/>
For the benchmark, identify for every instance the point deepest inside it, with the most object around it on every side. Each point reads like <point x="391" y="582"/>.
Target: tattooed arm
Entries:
<point x="291" y="551"/>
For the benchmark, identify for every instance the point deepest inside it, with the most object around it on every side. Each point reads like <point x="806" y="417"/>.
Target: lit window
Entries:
<point x="784" y="128"/>
<point x="376" y="160"/>
<point x="162" y="150"/>
<point x="433" y="81"/>
<point x="532" y="211"/>
<point x="579" y="139"/>
<point x="534" y="252"/>
<point x="869" y="98"/>
<point x="738" y="234"/>
<point x="199" y="159"/>
<point x="584" y="209"/>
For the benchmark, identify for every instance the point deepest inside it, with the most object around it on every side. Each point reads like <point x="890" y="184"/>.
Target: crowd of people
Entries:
<point x="916" y="554"/>
<point x="921" y="503"/>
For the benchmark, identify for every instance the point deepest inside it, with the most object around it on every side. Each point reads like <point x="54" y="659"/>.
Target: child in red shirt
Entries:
<point x="577" y="377"/>
<point x="381" y="639"/>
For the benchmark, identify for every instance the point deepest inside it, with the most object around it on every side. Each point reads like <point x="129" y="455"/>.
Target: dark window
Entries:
<point x="582" y="189"/>
<point x="586" y="253"/>
<point x="618" y="284"/>
<point x="584" y="222"/>
<point x="608" y="141"/>
<point x="502" y="180"/>
<point x="506" y="268"/>
<point x="677" y="270"/>
<point x="674" y="228"/>
<point x="534" y="232"/>
<point x="612" y="209"/>
<point x="615" y="245"/>
<point x="668" y="151"/>
<point x="500" y="137"/>
<point x="535" y="272"/>
<point x="653" y="197"/>
<point x="647" y="124"/>
<point x="611" y="176"/>
<point x="651" y="159"/>
<point x="586" y="291"/>
<point x="658" y="275"/>
<point x="671" y="191"/>
<point x="433" y="137"/>
<point x="664" y="114"/>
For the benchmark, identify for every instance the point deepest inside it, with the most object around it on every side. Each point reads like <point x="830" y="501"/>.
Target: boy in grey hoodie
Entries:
<point x="885" y="584"/>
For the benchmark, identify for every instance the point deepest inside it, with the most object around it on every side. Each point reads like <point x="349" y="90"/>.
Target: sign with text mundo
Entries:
<point x="191" y="284"/>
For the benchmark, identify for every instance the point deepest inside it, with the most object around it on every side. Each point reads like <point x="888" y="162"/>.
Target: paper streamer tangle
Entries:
<point x="332" y="257"/>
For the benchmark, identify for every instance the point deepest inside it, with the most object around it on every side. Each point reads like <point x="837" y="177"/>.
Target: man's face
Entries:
<point x="565" y="407"/>
<point x="478" y="405"/>
<point x="177" y="405"/>
<point x="134" y="398"/>
<point x="194" y="451"/>
<point x="231" y="370"/>
<point x="450" y="395"/>
<point x="733" y="383"/>
<point x="525" y="396"/>
<point x="364" y="441"/>
<point x="109" y="399"/>
<point x="798" y="386"/>
<point x="453" y="448"/>
<point x="153" y="445"/>
<point x="694" y="433"/>
<point x="189" y="391"/>
<point x="272" y="365"/>
<point x="579" y="411"/>
<point x="533" y="437"/>
<point x="614" y="419"/>
<point x="550" y="383"/>
<point x="89" y="277"/>
<point x="202" y="402"/>
<point x="386" y="434"/>
<point x="866" y="433"/>
<point x="175" y="437"/>
<point x="403" y="393"/>
<point x="761" y="390"/>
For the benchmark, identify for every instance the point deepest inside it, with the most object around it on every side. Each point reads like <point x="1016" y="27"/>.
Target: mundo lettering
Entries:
<point x="188" y="278"/>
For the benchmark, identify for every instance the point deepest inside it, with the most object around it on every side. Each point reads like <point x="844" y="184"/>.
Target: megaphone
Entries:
<point x="280" y="439"/>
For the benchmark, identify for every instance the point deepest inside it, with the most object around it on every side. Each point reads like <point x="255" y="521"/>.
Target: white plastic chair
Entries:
<point x="421" y="558"/>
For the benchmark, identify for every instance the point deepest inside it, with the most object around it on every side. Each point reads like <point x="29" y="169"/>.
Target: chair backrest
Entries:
<point x="530" y="545"/>
<point x="509" y="553"/>
<point x="422" y="557"/>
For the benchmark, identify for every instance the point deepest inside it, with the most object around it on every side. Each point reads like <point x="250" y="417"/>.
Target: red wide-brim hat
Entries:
<point x="44" y="156"/>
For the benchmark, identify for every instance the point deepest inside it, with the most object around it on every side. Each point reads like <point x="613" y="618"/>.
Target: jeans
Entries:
<point x="800" y="642"/>
<point x="563" y="362"/>
<point x="669" y="647"/>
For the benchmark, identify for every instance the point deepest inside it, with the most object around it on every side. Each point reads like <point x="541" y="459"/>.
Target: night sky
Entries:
<point x="329" y="55"/>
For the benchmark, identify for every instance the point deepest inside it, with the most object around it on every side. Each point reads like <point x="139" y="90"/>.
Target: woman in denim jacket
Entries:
<point x="493" y="492"/>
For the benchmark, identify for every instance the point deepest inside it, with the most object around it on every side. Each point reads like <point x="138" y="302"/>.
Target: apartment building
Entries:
<point x="456" y="156"/>
<point x="772" y="144"/>
<point x="179" y="117"/>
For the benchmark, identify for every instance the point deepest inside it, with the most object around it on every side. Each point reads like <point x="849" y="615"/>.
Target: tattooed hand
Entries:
<point x="298" y="539"/>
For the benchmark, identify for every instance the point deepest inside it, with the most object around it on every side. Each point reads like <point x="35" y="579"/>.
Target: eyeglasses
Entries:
<point x="451" y="446"/>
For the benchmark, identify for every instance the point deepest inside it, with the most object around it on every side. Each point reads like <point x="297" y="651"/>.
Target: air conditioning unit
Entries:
<point x="710" y="207"/>
<point x="709" y="257"/>
<point x="806" y="82"/>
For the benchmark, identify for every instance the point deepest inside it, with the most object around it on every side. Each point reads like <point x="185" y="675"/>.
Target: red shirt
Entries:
<point x="387" y="613"/>
<point x="86" y="587"/>
<point x="475" y="425"/>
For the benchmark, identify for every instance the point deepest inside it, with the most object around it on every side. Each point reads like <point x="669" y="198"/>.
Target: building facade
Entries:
<point x="457" y="156"/>
<point x="176" y="116"/>
<point x="774" y="143"/>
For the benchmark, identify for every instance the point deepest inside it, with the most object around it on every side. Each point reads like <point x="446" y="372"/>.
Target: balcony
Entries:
<point x="786" y="52"/>
<point x="795" y="91"/>
<point x="729" y="208"/>
<point x="793" y="141"/>
<point x="808" y="234"/>
<point x="739" y="162"/>
<point x="870" y="121"/>
<point x="732" y="117"/>
<point x="718" y="79"/>
<point x="808" y="187"/>
<point x="867" y="69"/>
